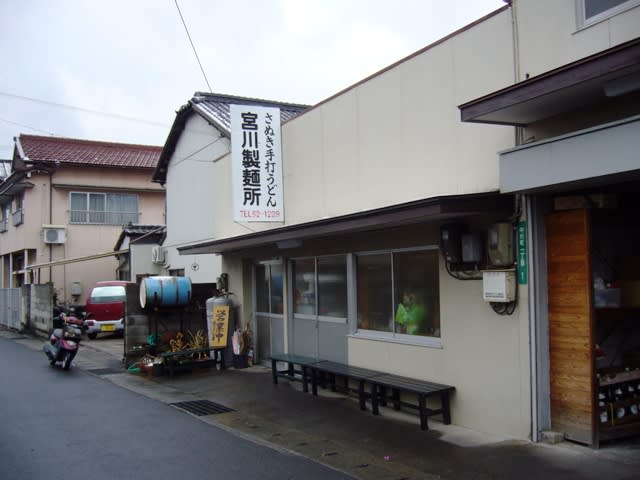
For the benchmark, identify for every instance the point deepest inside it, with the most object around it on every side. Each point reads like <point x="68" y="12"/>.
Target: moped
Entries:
<point x="64" y="342"/>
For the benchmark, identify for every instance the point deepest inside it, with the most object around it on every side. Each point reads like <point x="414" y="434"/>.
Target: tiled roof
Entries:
<point x="216" y="107"/>
<point x="88" y="152"/>
<point x="5" y="169"/>
<point x="142" y="234"/>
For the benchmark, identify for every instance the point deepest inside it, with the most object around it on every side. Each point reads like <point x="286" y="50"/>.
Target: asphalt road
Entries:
<point x="72" y="425"/>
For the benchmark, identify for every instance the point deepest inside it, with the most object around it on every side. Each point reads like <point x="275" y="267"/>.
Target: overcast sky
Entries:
<point x="117" y="70"/>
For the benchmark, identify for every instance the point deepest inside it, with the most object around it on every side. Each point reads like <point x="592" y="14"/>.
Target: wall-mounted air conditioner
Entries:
<point x="157" y="255"/>
<point x="53" y="234"/>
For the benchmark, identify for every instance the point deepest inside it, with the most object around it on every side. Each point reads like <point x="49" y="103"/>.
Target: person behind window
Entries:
<point x="411" y="315"/>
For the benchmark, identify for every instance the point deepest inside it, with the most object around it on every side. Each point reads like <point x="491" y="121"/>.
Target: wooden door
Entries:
<point x="571" y="325"/>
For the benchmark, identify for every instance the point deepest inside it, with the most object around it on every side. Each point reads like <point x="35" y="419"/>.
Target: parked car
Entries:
<point x="104" y="311"/>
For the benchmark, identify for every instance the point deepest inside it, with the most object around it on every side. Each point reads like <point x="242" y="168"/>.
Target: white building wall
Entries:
<point x="194" y="175"/>
<point x="550" y="34"/>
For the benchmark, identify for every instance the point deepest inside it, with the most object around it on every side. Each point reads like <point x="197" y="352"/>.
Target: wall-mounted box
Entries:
<point x="499" y="285"/>
<point x="472" y="248"/>
<point x="500" y="245"/>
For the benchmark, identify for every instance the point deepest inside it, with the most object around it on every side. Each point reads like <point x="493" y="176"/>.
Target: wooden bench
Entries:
<point x="291" y="373"/>
<point x="184" y="359"/>
<point x="422" y="389"/>
<point x="383" y="386"/>
<point x="347" y="372"/>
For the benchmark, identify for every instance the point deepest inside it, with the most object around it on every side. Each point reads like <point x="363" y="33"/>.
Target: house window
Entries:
<point x="4" y="218"/>
<point x="103" y="208"/>
<point x="320" y="286"/>
<point x="18" y="214"/>
<point x="269" y="288"/>
<point x="398" y="293"/>
<point x="593" y="11"/>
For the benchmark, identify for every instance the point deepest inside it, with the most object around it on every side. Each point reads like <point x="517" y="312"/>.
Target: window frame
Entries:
<point x="393" y="337"/>
<point x="316" y="315"/>
<point x="584" y="22"/>
<point x="106" y="212"/>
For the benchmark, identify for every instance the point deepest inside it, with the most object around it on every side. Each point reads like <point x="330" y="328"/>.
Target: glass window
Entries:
<point x="103" y="208"/>
<point x="276" y="289"/>
<point x="375" y="292"/>
<point x="416" y="301"/>
<point x="332" y="286"/>
<point x="262" y="288"/>
<point x="398" y="292"/>
<point x="108" y="294"/>
<point x="304" y="288"/>
<point x="320" y="286"/>
<point x="595" y="10"/>
<point x="269" y="289"/>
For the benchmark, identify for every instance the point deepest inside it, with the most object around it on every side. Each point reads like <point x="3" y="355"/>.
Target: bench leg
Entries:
<point x="314" y="382"/>
<point x="274" y="372"/>
<point x="395" y="396"/>
<point x="374" y="399"/>
<point x="446" y="411"/>
<point x="291" y="369"/>
<point x="305" y="380"/>
<point x="423" y="414"/>
<point x="361" y="395"/>
<point x="383" y="395"/>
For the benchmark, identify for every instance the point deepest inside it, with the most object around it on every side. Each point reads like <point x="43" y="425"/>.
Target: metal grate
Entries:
<point x="105" y="371"/>
<point x="202" y="407"/>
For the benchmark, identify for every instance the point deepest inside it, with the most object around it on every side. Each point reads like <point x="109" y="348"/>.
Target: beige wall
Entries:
<point x="395" y="138"/>
<point x="81" y="240"/>
<point x="550" y="34"/>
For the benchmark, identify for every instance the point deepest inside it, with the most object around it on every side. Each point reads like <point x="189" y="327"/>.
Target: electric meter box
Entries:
<point x="499" y="286"/>
<point x="500" y="245"/>
<point x="451" y="241"/>
<point x="472" y="248"/>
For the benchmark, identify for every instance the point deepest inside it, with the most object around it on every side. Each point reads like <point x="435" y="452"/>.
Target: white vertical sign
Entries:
<point x="257" y="164"/>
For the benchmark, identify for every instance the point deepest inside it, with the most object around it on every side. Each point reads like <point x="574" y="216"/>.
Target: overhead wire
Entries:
<point x="193" y="47"/>
<point x="82" y="109"/>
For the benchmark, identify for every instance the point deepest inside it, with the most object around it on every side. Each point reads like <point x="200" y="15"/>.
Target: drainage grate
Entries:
<point x="105" y="371"/>
<point x="202" y="407"/>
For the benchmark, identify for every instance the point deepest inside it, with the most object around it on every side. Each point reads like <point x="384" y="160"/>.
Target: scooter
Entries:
<point x="64" y="342"/>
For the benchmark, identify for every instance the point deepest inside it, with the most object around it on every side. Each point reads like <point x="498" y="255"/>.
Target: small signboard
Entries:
<point x="219" y="327"/>
<point x="523" y="260"/>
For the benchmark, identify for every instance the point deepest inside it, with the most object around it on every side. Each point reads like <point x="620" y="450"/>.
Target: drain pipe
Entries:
<point x="533" y="332"/>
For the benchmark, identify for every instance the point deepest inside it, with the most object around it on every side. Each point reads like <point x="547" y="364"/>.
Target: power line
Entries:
<point x="25" y="126"/>
<point x="81" y="109"/>
<point x="193" y="46"/>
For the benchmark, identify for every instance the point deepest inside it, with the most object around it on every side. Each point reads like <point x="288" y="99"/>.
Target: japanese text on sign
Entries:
<point x="257" y="164"/>
<point x="219" y="326"/>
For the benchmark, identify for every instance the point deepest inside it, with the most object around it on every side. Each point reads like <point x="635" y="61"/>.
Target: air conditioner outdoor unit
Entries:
<point x="53" y="234"/>
<point x="157" y="255"/>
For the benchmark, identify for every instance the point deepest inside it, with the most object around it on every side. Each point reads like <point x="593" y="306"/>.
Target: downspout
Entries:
<point x="50" y="222"/>
<point x="533" y="337"/>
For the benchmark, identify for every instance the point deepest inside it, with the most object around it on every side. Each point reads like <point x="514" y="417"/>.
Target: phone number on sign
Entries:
<point x="260" y="214"/>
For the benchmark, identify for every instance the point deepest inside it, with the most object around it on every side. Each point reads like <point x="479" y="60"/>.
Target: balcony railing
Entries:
<point x="103" y="218"/>
<point x="18" y="217"/>
<point x="3" y="225"/>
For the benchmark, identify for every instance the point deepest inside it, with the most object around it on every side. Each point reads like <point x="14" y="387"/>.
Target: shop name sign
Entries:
<point x="257" y="164"/>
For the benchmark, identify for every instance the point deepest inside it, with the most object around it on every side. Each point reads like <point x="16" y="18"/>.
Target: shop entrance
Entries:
<point x="268" y="308"/>
<point x="593" y="278"/>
